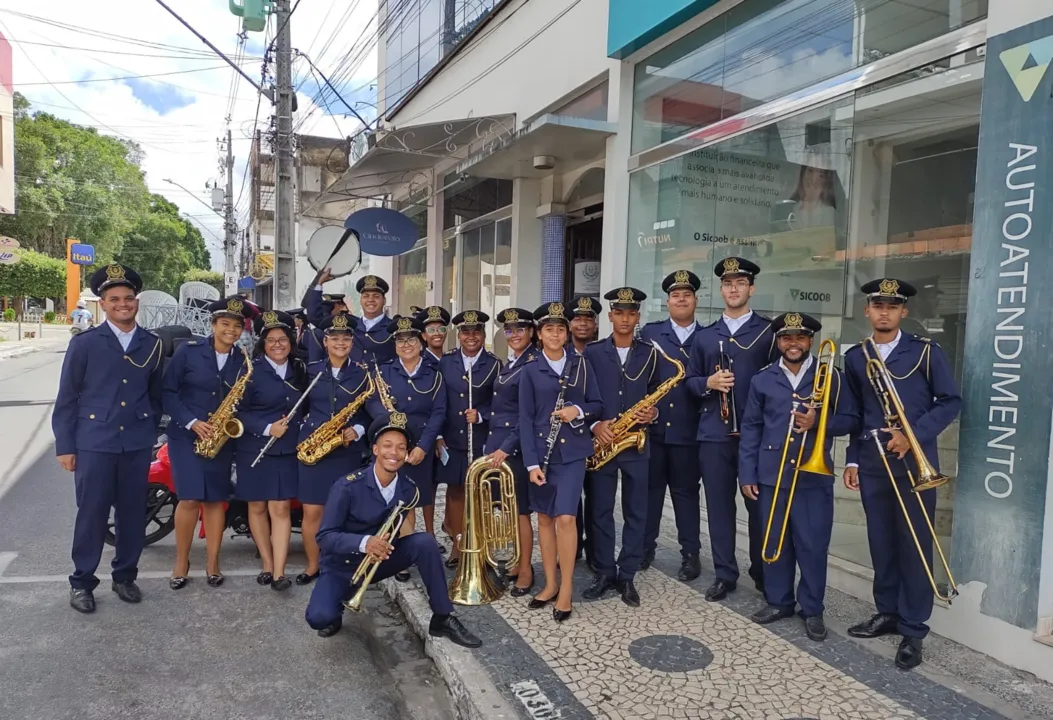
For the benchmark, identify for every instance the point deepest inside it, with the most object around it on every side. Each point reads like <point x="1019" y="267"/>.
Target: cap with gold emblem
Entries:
<point x="681" y="280"/>
<point x="515" y="316"/>
<point x="271" y="319"/>
<point x="396" y="421"/>
<point x="888" y="290"/>
<point x="114" y="275"/>
<point x="433" y="314"/>
<point x="329" y="300"/>
<point x="405" y="325"/>
<point x="585" y="305"/>
<point x="298" y="313"/>
<point x="794" y="323"/>
<point x="552" y="312"/>
<point x="736" y="267"/>
<point x="337" y="324"/>
<point x="232" y="307"/>
<point x="371" y="282"/>
<point x="625" y="298"/>
<point x="470" y="319"/>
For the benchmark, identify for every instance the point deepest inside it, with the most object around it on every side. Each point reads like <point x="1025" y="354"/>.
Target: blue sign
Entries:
<point x="81" y="254"/>
<point x="382" y="231"/>
<point x="631" y="24"/>
<point x="247" y="283"/>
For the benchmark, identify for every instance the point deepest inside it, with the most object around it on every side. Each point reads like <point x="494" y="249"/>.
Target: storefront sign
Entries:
<point x="80" y="254"/>
<point x="382" y="231"/>
<point x="1003" y="468"/>
<point x="9" y="258"/>
<point x="587" y="278"/>
<point x="631" y="24"/>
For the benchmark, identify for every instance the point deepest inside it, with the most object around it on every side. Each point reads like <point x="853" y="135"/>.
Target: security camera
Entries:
<point x="544" y="162"/>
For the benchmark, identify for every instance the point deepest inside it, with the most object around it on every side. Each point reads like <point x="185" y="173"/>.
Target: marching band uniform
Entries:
<point x="337" y="388"/>
<point x="196" y="382"/>
<point x="674" y="449"/>
<point x="106" y="415"/>
<point x="269" y="396"/>
<point x="750" y="344"/>
<point x="584" y="306"/>
<point x="925" y="382"/>
<point x="358" y="506"/>
<point x="318" y="307"/>
<point x="372" y="337"/>
<point x="434" y="318"/>
<point x="302" y="330"/>
<point x="624" y="376"/>
<point x="773" y="392"/>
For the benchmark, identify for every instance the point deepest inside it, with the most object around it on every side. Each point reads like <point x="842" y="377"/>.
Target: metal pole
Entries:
<point x="230" y="279"/>
<point x="285" y="186"/>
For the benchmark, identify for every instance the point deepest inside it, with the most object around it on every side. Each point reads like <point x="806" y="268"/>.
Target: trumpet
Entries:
<point x="368" y="567"/>
<point x="928" y="477"/>
<point x="816" y="462"/>
<point x="728" y="413"/>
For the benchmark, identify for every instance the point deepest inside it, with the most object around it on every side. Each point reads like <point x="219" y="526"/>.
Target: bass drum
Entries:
<point x="334" y="247"/>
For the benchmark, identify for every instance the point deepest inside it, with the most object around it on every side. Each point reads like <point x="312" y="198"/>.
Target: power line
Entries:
<point x="125" y="77"/>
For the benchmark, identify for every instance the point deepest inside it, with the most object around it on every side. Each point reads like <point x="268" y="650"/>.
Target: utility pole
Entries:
<point x="230" y="274"/>
<point x="284" y="185"/>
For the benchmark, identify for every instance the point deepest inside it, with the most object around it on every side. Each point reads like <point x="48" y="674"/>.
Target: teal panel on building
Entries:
<point x="634" y="23"/>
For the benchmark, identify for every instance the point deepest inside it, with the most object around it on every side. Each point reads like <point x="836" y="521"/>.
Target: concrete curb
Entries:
<point x="475" y="697"/>
<point x="23" y="348"/>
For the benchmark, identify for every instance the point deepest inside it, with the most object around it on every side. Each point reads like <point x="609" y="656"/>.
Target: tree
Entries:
<point x="215" y="279"/>
<point x="35" y="275"/>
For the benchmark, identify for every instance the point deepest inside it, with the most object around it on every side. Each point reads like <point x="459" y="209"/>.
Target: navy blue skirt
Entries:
<point x="423" y="476"/>
<point x="316" y="480"/>
<point x="562" y="490"/>
<point x="198" y="478"/>
<point x="275" y="477"/>
<point x="522" y="483"/>
<point x="455" y="469"/>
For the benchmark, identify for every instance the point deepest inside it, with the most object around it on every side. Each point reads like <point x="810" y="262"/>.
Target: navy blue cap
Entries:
<point x="233" y="307"/>
<point x="393" y="421"/>
<point x="271" y="319"/>
<point x="625" y="298"/>
<point x="551" y="312"/>
<point x="337" y="324"/>
<point x="681" y="280"/>
<point x="114" y="275"/>
<point x="515" y="316"/>
<point x="793" y="323"/>
<point x="433" y="314"/>
<point x="888" y="290"/>
<point x="371" y="282"/>
<point x="404" y="325"/>
<point x="586" y="305"/>
<point x="470" y="318"/>
<point x="736" y="267"/>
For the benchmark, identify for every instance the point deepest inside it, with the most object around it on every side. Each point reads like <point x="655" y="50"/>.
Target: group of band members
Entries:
<point x="541" y="411"/>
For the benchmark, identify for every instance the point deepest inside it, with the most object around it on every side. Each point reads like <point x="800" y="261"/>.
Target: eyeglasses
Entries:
<point x="510" y="331"/>
<point x="406" y="341"/>
<point x="276" y="342"/>
<point x="436" y="330"/>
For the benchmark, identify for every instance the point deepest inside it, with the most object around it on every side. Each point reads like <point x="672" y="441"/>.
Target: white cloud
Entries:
<point x="180" y="144"/>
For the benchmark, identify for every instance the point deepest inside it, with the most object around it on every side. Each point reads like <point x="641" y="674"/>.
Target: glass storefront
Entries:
<point x="413" y="265"/>
<point x="875" y="184"/>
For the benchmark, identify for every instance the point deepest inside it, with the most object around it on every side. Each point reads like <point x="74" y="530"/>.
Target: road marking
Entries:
<point x="536" y="703"/>
<point x="6" y="558"/>
<point x="146" y="575"/>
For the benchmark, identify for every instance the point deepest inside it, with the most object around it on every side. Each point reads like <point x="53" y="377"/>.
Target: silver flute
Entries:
<point x="291" y="414"/>
<point x="471" y="448"/>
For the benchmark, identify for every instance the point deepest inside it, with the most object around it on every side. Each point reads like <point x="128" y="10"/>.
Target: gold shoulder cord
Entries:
<point x="921" y="358"/>
<point x="488" y="376"/>
<point x="515" y="371"/>
<point x="157" y="346"/>
<point x="578" y="373"/>
<point x="747" y="347"/>
<point x="352" y="392"/>
<point x="642" y="370"/>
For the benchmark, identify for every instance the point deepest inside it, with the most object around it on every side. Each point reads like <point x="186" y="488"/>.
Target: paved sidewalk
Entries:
<point x="678" y="656"/>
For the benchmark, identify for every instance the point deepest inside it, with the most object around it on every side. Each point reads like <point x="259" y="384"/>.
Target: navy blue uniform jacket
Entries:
<point x="109" y="399"/>
<point x="622" y="387"/>
<point x="767" y="417"/>
<point x="678" y="411"/>
<point x="194" y="386"/>
<point x="268" y="399"/>
<point x="504" y="411"/>
<point x="538" y="391"/>
<point x="422" y="398"/>
<point x="751" y="348"/>
<point x="455" y="378"/>
<point x="331" y="395"/>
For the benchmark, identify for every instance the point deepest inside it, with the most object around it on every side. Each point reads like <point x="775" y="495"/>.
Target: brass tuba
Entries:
<point x="368" y="567"/>
<point x="491" y="527"/>
<point x="223" y="422"/>
<point x="816" y="462"/>
<point x="329" y="435"/>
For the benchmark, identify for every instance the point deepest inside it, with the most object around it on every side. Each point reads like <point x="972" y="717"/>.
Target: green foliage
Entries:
<point x="35" y="275"/>
<point x="215" y="279"/>
<point x="49" y="316"/>
<point x="9" y="315"/>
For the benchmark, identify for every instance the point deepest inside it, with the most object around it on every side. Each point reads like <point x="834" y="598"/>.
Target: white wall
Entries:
<point x="479" y="80"/>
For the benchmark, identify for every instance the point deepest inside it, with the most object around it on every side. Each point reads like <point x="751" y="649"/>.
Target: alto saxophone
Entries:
<point x="329" y="435"/>
<point x="223" y="422"/>
<point x="384" y="391"/>
<point x="624" y="436"/>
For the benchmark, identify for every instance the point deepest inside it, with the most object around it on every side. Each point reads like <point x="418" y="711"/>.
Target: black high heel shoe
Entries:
<point x="517" y="591"/>
<point x="264" y="578"/>
<point x="561" y="615"/>
<point x="537" y="603"/>
<point x="180" y="581"/>
<point x="215" y="580"/>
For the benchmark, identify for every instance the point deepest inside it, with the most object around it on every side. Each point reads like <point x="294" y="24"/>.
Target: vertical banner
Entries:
<point x="1000" y="498"/>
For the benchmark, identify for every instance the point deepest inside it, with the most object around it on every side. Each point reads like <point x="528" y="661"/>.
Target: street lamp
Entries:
<point x="193" y="195"/>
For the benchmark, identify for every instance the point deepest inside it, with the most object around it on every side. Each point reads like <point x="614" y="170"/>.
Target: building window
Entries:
<point x="469" y="198"/>
<point x="413" y="265"/>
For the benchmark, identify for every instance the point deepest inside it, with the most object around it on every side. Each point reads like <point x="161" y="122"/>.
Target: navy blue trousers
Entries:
<point x="719" y="462"/>
<point x="807" y="544"/>
<point x="603" y="487"/>
<point x="105" y="480"/>
<point x="901" y="586"/>
<point x="675" y="466"/>
<point x="334" y="586"/>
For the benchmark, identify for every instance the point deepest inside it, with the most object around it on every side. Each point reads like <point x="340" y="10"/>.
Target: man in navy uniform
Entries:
<point x="626" y="373"/>
<point x="371" y="330"/>
<point x="436" y="321"/>
<point x="674" y="449"/>
<point x="746" y="339"/>
<point x="778" y="393"/>
<point x="925" y="382"/>
<point x="583" y="321"/>
<point x="357" y="508"/>
<point x="105" y="424"/>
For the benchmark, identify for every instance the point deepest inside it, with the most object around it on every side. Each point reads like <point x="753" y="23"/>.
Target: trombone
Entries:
<point x="728" y="413"/>
<point x="929" y="478"/>
<point x="816" y="463"/>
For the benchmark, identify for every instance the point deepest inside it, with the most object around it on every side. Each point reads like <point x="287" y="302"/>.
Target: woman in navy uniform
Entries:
<point x="278" y="381"/>
<point x="454" y="366"/>
<point x="415" y="388"/>
<point x="674" y="449"/>
<point x="340" y="384"/>
<point x="105" y="424"/>
<point x="925" y="382"/>
<point x="358" y="506"/>
<point x="197" y="380"/>
<point x="436" y="322"/>
<point x="778" y="392"/>
<point x="557" y="473"/>
<point x="502" y="444"/>
<point x="318" y="306"/>
<point x="747" y="340"/>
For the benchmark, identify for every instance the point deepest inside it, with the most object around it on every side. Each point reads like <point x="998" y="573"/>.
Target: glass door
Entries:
<point x="485" y="275"/>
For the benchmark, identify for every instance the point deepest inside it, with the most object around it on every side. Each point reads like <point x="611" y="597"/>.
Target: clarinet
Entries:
<point x="553" y="429"/>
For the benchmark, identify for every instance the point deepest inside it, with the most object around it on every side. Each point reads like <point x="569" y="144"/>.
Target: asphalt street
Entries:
<point x="238" y="651"/>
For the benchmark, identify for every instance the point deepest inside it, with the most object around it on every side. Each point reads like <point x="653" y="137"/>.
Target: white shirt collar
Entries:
<point x="470" y="360"/>
<point x="432" y="352"/>
<point x="682" y="333"/>
<point x="370" y="324"/>
<point x="415" y="370"/>
<point x="556" y="365"/>
<point x="388" y="493"/>
<point x="795" y="380"/>
<point x="124" y="338"/>
<point x="279" y="369"/>
<point x="734" y="324"/>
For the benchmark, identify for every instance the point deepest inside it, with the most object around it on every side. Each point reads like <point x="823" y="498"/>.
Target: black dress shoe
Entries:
<point x="878" y="625"/>
<point x="630" y="596"/>
<point x="215" y="580"/>
<point x="909" y="654"/>
<point x="770" y="613"/>
<point x="536" y="603"/>
<point x="648" y="558"/>
<point x="719" y="590"/>
<point x="305" y="579"/>
<point x="815" y="628"/>
<point x="127" y="591"/>
<point x="331" y="629"/>
<point x="450" y="627"/>
<point x="281" y="584"/>
<point x="561" y="615"/>
<point x="599" y="586"/>
<point x="402" y="576"/>
<point x="517" y="591"/>
<point x="452" y="562"/>
<point x="690" y="568"/>
<point x="81" y="600"/>
<point x="265" y="578"/>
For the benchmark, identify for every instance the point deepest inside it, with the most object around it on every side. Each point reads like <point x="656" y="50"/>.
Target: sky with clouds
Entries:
<point x="178" y="114"/>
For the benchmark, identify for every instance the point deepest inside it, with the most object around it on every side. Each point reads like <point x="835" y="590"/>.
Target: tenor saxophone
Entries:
<point x="329" y="435"/>
<point x="223" y="422"/>
<point x="622" y="427"/>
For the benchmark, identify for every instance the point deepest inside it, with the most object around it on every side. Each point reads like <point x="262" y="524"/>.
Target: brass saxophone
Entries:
<point x="329" y="435"/>
<point x="384" y="391"/>
<point x="223" y="422"/>
<point x="624" y="436"/>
